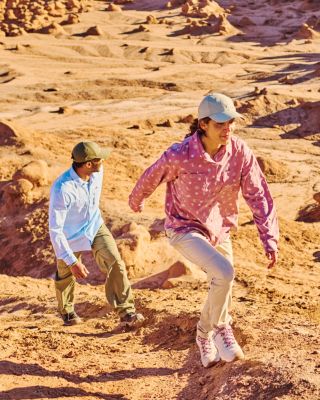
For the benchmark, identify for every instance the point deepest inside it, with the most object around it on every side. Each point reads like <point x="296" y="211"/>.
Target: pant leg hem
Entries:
<point x="202" y="332"/>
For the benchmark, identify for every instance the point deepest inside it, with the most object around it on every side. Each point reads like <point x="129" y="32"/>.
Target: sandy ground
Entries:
<point x="130" y="87"/>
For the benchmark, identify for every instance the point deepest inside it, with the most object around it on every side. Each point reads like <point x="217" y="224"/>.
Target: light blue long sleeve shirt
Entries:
<point x="74" y="214"/>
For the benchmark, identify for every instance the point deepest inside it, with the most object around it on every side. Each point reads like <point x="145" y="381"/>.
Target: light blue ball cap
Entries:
<point x="218" y="107"/>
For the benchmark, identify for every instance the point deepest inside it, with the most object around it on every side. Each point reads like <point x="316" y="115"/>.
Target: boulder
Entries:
<point x="188" y="119"/>
<point x="53" y="29"/>
<point x="71" y="19"/>
<point x="316" y="197"/>
<point x="306" y="32"/>
<point x="36" y="172"/>
<point x="15" y="195"/>
<point x="8" y="134"/>
<point x="182" y="273"/>
<point x="133" y="244"/>
<point x="94" y="31"/>
<point x="114" y="8"/>
<point x="274" y="171"/>
<point x="151" y="20"/>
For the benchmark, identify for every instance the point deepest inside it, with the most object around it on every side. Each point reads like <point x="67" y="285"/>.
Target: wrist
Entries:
<point x="71" y="265"/>
<point x="70" y="259"/>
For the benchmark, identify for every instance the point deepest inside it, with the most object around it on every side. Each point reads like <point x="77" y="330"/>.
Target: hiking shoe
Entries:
<point x="71" y="318"/>
<point x="132" y="320"/>
<point x="228" y="348"/>
<point x="208" y="351"/>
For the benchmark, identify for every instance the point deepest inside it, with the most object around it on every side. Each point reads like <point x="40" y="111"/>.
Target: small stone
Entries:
<point x="94" y="31"/>
<point x="51" y="89"/>
<point x="202" y="380"/>
<point x="151" y="20"/>
<point x="114" y="8"/>
<point x="71" y="19"/>
<point x="316" y="197"/>
<point x="66" y="110"/>
<point x="36" y="172"/>
<point x="71" y="354"/>
<point x="188" y="119"/>
<point x="53" y="29"/>
<point x="168" y="123"/>
<point x="142" y="29"/>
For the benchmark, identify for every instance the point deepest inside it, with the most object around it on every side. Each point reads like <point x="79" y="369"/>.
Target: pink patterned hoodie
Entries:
<point x="202" y="192"/>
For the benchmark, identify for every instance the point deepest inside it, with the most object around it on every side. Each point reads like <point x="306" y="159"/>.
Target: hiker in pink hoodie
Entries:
<point x="204" y="175"/>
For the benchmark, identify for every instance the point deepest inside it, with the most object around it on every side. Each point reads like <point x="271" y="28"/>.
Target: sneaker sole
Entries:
<point x="212" y="363"/>
<point x="132" y="325"/>
<point x="236" y="358"/>
<point x="73" y="322"/>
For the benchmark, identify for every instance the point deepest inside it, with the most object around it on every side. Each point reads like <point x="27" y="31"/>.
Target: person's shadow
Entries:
<point x="39" y="392"/>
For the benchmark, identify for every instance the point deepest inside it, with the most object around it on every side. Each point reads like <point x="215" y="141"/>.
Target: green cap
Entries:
<point x="87" y="151"/>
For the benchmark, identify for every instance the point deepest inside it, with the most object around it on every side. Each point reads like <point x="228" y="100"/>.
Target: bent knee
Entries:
<point x="108" y="260"/>
<point x="223" y="270"/>
<point x="228" y="273"/>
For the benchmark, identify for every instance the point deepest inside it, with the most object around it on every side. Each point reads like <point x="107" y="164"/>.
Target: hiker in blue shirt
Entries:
<point x="76" y="225"/>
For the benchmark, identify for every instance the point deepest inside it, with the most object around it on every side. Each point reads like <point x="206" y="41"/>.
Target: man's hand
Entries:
<point x="273" y="257"/>
<point x="79" y="270"/>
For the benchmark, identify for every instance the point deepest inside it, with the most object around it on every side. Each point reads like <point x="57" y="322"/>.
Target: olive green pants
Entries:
<point x="117" y="286"/>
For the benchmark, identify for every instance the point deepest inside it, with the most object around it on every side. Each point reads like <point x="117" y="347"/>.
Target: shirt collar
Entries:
<point x="200" y="151"/>
<point x="77" y="178"/>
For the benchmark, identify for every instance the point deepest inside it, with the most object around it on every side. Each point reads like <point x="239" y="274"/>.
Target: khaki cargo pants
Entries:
<point x="117" y="286"/>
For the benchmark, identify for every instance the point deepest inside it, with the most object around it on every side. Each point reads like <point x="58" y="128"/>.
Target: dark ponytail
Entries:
<point x="195" y="127"/>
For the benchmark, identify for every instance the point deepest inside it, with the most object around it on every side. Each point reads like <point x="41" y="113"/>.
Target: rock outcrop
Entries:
<point x="36" y="172"/>
<point x="274" y="171"/>
<point x="20" y="16"/>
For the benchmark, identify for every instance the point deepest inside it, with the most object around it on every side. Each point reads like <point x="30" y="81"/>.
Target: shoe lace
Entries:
<point x="70" y="316"/>
<point x="227" y="336"/>
<point x="206" y="345"/>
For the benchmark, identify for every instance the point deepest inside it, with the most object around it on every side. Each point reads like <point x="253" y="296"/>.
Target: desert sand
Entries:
<point x="130" y="74"/>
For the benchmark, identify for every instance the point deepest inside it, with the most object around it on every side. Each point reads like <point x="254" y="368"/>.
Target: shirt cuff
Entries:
<point x="70" y="260"/>
<point x="271" y="245"/>
<point x="135" y="205"/>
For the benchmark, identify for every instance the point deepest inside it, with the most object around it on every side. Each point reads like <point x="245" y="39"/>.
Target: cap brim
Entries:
<point x="224" y="117"/>
<point x="104" y="153"/>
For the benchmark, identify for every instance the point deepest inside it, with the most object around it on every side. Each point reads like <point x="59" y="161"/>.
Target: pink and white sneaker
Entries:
<point x="208" y="351"/>
<point x="228" y="348"/>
